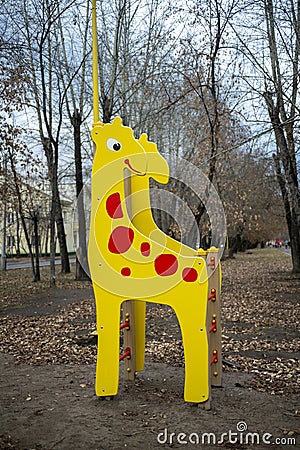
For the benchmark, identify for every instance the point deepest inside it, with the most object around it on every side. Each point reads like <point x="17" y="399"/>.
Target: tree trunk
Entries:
<point x="22" y="215"/>
<point x="3" y="224"/>
<point x="235" y="245"/>
<point x="18" y="252"/>
<point x="4" y="217"/>
<point x="61" y="235"/>
<point x="81" y="252"/>
<point x="52" y="244"/>
<point x="295" y="244"/>
<point x="52" y="160"/>
<point x="46" y="240"/>
<point x="283" y="121"/>
<point x="287" y="181"/>
<point x="36" y="245"/>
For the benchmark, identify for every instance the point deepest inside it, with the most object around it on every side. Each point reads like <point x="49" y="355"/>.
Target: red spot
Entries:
<point x="166" y="265"/>
<point x="189" y="274"/>
<point x="126" y="272"/>
<point x="120" y="240"/>
<point x="113" y="206"/>
<point x="145" y="248"/>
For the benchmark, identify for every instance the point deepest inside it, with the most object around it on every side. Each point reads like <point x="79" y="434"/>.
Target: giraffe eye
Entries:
<point x="113" y="145"/>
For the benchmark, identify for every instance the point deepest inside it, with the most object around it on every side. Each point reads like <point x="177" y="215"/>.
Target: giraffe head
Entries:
<point x="158" y="167"/>
<point x="116" y="144"/>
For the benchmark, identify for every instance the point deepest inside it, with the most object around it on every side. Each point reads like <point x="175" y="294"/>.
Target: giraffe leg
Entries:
<point x="192" y="322"/>
<point x="108" y="329"/>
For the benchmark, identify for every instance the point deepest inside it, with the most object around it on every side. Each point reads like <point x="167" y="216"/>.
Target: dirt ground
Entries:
<point x="48" y="368"/>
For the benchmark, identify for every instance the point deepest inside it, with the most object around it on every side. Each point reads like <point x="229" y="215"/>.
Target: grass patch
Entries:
<point x="264" y="253"/>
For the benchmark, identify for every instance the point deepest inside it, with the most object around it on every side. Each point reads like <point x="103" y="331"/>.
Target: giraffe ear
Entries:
<point x="143" y="138"/>
<point x="149" y="146"/>
<point x="117" y="121"/>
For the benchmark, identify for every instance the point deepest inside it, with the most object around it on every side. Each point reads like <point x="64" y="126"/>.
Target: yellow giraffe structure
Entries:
<point x="131" y="259"/>
<point x="143" y="220"/>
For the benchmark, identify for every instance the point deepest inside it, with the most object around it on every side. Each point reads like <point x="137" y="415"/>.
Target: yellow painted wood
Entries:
<point x="111" y="288"/>
<point x="142" y="219"/>
<point x="95" y="63"/>
<point x="108" y="322"/>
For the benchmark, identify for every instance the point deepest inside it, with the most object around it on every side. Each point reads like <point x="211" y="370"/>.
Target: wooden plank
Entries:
<point x="128" y="306"/>
<point x="129" y="341"/>
<point x="214" y="317"/>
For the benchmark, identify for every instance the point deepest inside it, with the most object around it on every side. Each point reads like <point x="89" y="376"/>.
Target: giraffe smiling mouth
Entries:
<point x="127" y="162"/>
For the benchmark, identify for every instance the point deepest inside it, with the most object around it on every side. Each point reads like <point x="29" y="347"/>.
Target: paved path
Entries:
<point x="25" y="264"/>
<point x="285" y="250"/>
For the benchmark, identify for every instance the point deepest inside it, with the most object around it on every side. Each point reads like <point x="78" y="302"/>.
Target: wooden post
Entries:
<point x="128" y="306"/>
<point x="214" y="317"/>
<point x="207" y="404"/>
<point x="129" y="341"/>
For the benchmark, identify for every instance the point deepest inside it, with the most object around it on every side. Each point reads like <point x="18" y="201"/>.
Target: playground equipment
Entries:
<point x="130" y="258"/>
<point x="133" y="262"/>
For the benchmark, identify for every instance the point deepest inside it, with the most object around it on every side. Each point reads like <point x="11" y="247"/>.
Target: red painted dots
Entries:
<point x="166" y="265"/>
<point x="145" y="248"/>
<point x="126" y="271"/>
<point x="189" y="274"/>
<point x="113" y="206"/>
<point x="120" y="240"/>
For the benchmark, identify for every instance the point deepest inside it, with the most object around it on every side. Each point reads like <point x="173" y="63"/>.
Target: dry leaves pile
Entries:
<point x="50" y="339"/>
<point x="260" y="309"/>
<point x="260" y="315"/>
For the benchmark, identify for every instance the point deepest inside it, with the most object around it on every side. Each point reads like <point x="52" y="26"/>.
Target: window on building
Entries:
<point x="75" y="239"/>
<point x="10" y="218"/>
<point x="10" y="241"/>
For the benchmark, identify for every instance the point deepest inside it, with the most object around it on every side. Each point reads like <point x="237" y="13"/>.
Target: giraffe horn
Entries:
<point x="143" y="137"/>
<point x="117" y="121"/>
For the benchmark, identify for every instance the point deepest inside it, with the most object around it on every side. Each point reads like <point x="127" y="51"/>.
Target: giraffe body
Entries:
<point x="131" y="259"/>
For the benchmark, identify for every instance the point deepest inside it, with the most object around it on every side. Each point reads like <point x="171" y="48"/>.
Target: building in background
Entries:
<point x="35" y="204"/>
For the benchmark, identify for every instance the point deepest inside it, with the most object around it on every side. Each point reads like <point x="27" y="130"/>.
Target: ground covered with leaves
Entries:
<point x="48" y="357"/>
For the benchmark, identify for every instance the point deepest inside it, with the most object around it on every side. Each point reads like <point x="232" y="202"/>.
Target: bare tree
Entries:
<point x="273" y="49"/>
<point x="33" y="26"/>
<point x="282" y="113"/>
<point x="13" y="85"/>
<point x="17" y="193"/>
<point x="196" y="93"/>
<point x="74" y="81"/>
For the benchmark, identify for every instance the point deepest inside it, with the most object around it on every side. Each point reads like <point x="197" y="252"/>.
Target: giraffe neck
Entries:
<point x="141" y="204"/>
<point x="114" y="208"/>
